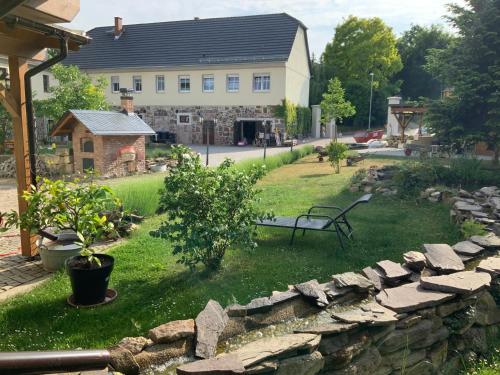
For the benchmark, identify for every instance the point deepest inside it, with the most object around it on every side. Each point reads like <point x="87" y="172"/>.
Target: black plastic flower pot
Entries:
<point x="89" y="284"/>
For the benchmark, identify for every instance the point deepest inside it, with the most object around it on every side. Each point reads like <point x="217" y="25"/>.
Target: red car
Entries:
<point x="364" y="136"/>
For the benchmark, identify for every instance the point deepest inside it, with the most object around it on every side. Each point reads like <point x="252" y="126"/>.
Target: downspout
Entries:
<point x="63" y="52"/>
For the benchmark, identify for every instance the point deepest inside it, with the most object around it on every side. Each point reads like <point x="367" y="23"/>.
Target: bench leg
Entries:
<point x="339" y="235"/>
<point x="293" y="236"/>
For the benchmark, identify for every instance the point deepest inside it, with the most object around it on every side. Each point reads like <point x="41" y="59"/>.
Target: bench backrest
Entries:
<point x="364" y="199"/>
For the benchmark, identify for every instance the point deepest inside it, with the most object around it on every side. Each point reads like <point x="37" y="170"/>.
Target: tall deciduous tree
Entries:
<point x="362" y="46"/>
<point x="334" y="106"/>
<point x="471" y="66"/>
<point x="74" y="90"/>
<point x="414" y="45"/>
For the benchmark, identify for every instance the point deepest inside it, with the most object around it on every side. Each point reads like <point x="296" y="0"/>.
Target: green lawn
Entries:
<point x="153" y="289"/>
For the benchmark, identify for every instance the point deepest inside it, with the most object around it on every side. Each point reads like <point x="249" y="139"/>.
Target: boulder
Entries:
<point x="393" y="272"/>
<point x="314" y="291"/>
<point x="123" y="360"/>
<point x="489" y="190"/>
<point x="210" y="323"/>
<point x="464" y="282"/>
<point x="370" y="313"/>
<point x="133" y="344"/>
<point x="374" y="277"/>
<point x="403" y="358"/>
<point x="487" y="311"/>
<point x="411" y="297"/>
<point x="442" y="258"/>
<point x="490" y="265"/>
<point x="404" y="338"/>
<point x="269" y="347"/>
<point x="366" y="363"/>
<point x="172" y="331"/>
<point x="265" y="367"/>
<point x="352" y="280"/>
<point x="340" y="350"/>
<point x="467" y="248"/>
<point x="226" y="364"/>
<point x="309" y="364"/>
<point x="415" y="260"/>
<point x="489" y="241"/>
<point x="160" y="353"/>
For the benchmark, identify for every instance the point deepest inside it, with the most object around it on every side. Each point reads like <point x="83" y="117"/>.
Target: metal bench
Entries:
<point x="337" y="222"/>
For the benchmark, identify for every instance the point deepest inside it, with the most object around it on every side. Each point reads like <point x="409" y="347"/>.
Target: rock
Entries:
<point x="265" y="367"/>
<point x="467" y="248"/>
<point x="404" y="338"/>
<point x="123" y="360"/>
<point x="464" y="206"/>
<point x="402" y="358"/>
<point x="490" y="265"/>
<point x="450" y="307"/>
<point x="172" y="331"/>
<point x="415" y="260"/>
<point x="464" y="194"/>
<point x="411" y="297"/>
<point x="487" y="311"/>
<point x="333" y="291"/>
<point x="369" y="313"/>
<point x="160" y="353"/>
<point x="393" y="272"/>
<point x="441" y="257"/>
<point x="326" y="329"/>
<point x="374" y="277"/>
<point x="309" y="364"/>
<point x="489" y="241"/>
<point x="464" y="282"/>
<point x="421" y="368"/>
<point x="236" y="310"/>
<point x="133" y="344"/>
<point x="476" y="340"/>
<point x="339" y="351"/>
<point x="226" y="364"/>
<point x="312" y="290"/>
<point x="260" y="350"/>
<point x="438" y="353"/>
<point x="479" y="214"/>
<point x="434" y="336"/>
<point x="367" y="363"/>
<point x="352" y="280"/>
<point x="489" y="190"/>
<point x="280" y="297"/>
<point x="259" y="305"/>
<point x="210" y="323"/>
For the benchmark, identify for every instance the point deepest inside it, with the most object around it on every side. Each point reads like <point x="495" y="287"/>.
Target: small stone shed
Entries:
<point x="109" y="142"/>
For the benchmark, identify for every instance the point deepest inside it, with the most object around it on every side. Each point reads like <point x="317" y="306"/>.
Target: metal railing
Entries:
<point x="32" y="363"/>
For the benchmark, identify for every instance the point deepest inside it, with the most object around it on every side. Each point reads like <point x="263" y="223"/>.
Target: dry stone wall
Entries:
<point x="422" y="316"/>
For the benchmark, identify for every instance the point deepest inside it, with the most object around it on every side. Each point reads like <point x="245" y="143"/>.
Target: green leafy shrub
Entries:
<point x="412" y="177"/>
<point x="208" y="209"/>
<point x="471" y="228"/>
<point x="336" y="152"/>
<point x="358" y="176"/>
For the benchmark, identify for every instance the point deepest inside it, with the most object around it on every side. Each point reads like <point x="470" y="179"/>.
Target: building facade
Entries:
<point x="229" y="73"/>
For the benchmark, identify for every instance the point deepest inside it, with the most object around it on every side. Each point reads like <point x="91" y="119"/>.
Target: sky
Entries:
<point x="320" y="16"/>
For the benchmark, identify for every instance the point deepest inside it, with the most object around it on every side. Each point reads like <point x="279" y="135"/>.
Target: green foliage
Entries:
<point x="412" y="177"/>
<point x="319" y="80"/>
<point x="5" y="127"/>
<point x="208" y="210"/>
<point x="472" y="228"/>
<point x="334" y="106"/>
<point x="359" y="176"/>
<point x="275" y="161"/>
<point x="362" y="46"/>
<point x="74" y="90"/>
<point x="413" y="46"/>
<point x="153" y="152"/>
<point x="304" y="120"/>
<point x="336" y="152"/>
<point x="288" y="112"/>
<point x="470" y="66"/>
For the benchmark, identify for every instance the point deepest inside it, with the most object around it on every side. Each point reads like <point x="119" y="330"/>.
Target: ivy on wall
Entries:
<point x="297" y="119"/>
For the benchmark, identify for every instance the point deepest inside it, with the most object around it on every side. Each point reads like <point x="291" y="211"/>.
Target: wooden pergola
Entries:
<point x="405" y="113"/>
<point x="26" y="31"/>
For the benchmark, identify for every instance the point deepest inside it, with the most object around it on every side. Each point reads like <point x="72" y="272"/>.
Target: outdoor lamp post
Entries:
<point x="371" y="98"/>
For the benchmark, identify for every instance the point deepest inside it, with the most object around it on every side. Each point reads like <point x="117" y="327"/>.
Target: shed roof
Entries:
<point x="230" y="40"/>
<point x="105" y="123"/>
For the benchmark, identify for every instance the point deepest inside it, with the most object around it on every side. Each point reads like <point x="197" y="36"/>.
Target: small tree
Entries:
<point x="334" y="106"/>
<point x="336" y="152"/>
<point x="288" y="112"/>
<point x="208" y="209"/>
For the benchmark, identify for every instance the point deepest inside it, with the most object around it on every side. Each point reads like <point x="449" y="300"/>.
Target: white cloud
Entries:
<point x="320" y="16"/>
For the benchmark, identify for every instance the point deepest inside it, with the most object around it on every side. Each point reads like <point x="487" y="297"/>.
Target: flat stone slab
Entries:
<point x="371" y="313"/>
<point x="172" y="331"/>
<point x="467" y="248"/>
<point x="209" y="325"/>
<point x="441" y="257"/>
<point x="259" y="305"/>
<point x="312" y="289"/>
<point x="328" y="328"/>
<point x="352" y="280"/>
<point x="393" y="271"/>
<point x="459" y="282"/>
<point x="332" y="291"/>
<point x="415" y="260"/>
<point x="280" y="297"/>
<point x="490" y="265"/>
<point x="226" y="364"/>
<point x="411" y="297"/>
<point x="489" y="241"/>
<point x="374" y="277"/>
<point x="260" y="350"/>
<point x="464" y="206"/>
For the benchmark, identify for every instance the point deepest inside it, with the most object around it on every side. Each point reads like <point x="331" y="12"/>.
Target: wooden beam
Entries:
<point x="26" y="49"/>
<point x="17" y="69"/>
<point x="9" y="102"/>
<point x="48" y="11"/>
<point x="7" y="6"/>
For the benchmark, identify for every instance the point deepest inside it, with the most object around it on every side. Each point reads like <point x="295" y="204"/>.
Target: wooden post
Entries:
<point x="17" y="68"/>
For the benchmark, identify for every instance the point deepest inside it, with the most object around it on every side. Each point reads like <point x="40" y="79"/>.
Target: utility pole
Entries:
<point x="371" y="98"/>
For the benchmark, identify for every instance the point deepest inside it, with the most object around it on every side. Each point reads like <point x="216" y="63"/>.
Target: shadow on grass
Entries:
<point x="317" y="175"/>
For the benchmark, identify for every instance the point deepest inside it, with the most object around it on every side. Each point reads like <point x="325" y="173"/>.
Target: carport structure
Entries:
<point x="26" y="31"/>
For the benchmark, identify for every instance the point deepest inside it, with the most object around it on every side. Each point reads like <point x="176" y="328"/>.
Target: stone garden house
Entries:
<point x="111" y="143"/>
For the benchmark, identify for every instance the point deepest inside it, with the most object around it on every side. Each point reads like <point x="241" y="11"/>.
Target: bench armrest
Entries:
<point x="311" y="216"/>
<point x="323" y="207"/>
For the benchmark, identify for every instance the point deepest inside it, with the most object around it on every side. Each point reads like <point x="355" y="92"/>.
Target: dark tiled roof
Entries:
<point x="245" y="39"/>
<point x="112" y="123"/>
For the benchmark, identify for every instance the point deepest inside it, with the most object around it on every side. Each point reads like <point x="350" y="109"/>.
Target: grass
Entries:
<point x="153" y="288"/>
<point x="485" y="366"/>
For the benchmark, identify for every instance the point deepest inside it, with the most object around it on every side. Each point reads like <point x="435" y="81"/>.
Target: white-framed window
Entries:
<point x="262" y="82"/>
<point x="137" y="83"/>
<point x="184" y="84"/>
<point x="233" y="83"/>
<point x="46" y="83"/>
<point x="160" y="83"/>
<point x="208" y="83"/>
<point x="115" y="84"/>
<point x="184" y="119"/>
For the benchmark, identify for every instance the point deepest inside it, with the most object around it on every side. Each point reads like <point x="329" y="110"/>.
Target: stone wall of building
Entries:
<point x="164" y="118"/>
<point x="81" y="132"/>
<point x="425" y="315"/>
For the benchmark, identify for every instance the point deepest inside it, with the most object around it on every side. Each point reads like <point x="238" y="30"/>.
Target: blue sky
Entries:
<point x="320" y="16"/>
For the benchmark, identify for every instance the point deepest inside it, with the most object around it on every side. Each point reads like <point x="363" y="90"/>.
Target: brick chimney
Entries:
<point x="127" y="104"/>
<point x="118" y="27"/>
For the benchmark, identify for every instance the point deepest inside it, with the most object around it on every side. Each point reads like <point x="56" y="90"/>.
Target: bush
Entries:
<point x="276" y="161"/>
<point x="336" y="152"/>
<point x="208" y="209"/>
<point x="358" y="176"/>
<point x="412" y="177"/>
